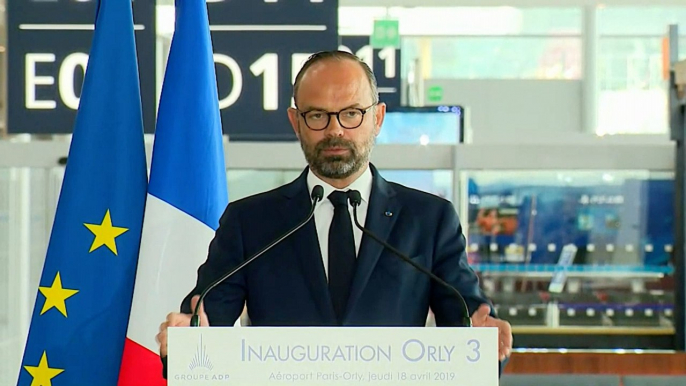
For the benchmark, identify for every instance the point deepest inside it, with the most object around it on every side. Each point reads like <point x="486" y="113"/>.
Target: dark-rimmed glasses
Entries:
<point x="350" y="118"/>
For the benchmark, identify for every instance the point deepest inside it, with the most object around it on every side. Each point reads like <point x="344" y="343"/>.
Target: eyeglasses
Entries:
<point x="350" y="118"/>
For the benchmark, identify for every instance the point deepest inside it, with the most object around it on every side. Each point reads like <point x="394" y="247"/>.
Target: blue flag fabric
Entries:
<point x="188" y="169"/>
<point x="187" y="189"/>
<point x="82" y="306"/>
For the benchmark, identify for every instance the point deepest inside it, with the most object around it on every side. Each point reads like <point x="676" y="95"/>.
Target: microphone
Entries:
<point x="316" y="196"/>
<point x="355" y="200"/>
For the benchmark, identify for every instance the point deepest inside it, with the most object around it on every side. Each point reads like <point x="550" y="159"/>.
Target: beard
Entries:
<point x="337" y="166"/>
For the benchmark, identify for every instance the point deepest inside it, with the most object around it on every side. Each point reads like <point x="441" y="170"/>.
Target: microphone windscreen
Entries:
<point x="354" y="197"/>
<point x="317" y="193"/>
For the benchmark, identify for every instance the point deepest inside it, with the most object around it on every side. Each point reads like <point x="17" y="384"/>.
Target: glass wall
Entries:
<point x="9" y="336"/>
<point x="481" y="42"/>
<point x="243" y="183"/>
<point x="27" y="205"/>
<point x="576" y="251"/>
<point x="543" y="43"/>
<point x="632" y="86"/>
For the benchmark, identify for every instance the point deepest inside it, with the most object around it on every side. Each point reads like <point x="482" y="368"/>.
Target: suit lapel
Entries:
<point x="306" y="244"/>
<point x="382" y="213"/>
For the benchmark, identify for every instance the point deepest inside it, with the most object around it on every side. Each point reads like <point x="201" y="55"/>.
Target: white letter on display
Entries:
<point x="388" y="56"/>
<point x="268" y="64"/>
<point x="366" y="53"/>
<point x="237" y="77"/>
<point x="297" y="62"/>
<point x="66" y="78"/>
<point x="32" y="81"/>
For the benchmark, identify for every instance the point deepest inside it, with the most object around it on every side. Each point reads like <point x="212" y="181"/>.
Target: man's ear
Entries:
<point x="293" y="117"/>
<point x="379" y="116"/>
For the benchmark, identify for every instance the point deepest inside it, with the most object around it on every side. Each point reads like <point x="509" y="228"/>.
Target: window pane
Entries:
<point x="633" y="92"/>
<point x="9" y="337"/>
<point x="640" y="20"/>
<point x="621" y="224"/>
<point x="632" y="112"/>
<point x="630" y="64"/>
<point x="436" y="21"/>
<point x="27" y="202"/>
<point x="501" y="57"/>
<point x="437" y="182"/>
<point x="243" y="183"/>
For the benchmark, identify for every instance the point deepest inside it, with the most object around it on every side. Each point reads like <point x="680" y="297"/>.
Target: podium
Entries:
<point x="341" y="356"/>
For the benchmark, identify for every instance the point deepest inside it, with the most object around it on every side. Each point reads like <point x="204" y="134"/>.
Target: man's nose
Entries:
<point x="334" y="129"/>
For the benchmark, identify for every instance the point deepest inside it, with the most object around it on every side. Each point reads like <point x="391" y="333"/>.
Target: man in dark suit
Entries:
<point x="328" y="273"/>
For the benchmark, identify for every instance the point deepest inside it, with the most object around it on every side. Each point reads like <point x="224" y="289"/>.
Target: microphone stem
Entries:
<point x="195" y="318"/>
<point x="467" y="321"/>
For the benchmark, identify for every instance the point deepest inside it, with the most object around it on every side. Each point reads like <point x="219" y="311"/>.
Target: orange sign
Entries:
<point x="666" y="62"/>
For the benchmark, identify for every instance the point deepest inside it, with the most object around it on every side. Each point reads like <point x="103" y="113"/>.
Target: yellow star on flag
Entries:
<point x="105" y="233"/>
<point x="56" y="296"/>
<point x="42" y="374"/>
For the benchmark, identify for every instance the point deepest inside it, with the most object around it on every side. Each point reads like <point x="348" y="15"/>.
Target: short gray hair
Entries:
<point x="336" y="55"/>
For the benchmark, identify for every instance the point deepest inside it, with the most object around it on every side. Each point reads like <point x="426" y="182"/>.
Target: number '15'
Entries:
<point x="267" y="66"/>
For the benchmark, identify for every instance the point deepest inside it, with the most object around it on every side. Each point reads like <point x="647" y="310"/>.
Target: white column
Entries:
<point x="590" y="90"/>
<point x="21" y="296"/>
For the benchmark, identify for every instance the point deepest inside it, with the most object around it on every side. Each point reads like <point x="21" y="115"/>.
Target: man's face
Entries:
<point x="332" y="86"/>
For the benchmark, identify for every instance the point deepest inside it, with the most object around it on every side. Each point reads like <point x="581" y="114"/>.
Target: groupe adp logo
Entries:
<point x="200" y="368"/>
<point x="200" y="359"/>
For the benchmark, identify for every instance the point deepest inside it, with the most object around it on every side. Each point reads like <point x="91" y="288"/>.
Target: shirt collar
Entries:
<point x="362" y="184"/>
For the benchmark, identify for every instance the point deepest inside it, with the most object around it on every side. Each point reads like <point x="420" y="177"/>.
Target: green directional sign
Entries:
<point x="435" y="94"/>
<point x="386" y="34"/>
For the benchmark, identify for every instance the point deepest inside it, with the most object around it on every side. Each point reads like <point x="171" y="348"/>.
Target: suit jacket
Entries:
<point x="287" y="286"/>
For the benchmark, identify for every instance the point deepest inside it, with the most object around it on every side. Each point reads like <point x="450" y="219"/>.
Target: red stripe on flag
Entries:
<point x="140" y="367"/>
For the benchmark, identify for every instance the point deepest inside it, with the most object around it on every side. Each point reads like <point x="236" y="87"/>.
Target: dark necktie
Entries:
<point x="341" y="253"/>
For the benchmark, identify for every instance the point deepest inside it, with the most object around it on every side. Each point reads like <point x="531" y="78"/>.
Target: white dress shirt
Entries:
<point x="323" y="212"/>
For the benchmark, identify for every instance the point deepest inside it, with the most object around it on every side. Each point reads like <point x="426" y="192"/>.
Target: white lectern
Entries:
<point x="341" y="356"/>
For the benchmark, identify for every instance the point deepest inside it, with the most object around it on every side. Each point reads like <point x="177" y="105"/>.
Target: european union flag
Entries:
<point x="82" y="306"/>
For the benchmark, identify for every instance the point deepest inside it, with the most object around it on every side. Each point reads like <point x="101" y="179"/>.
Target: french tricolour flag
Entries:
<point x="187" y="192"/>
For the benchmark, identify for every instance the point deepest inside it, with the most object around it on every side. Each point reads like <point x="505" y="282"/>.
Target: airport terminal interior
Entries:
<point x="555" y="127"/>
